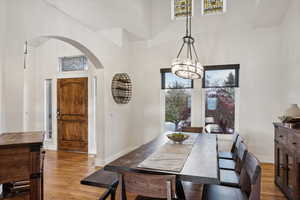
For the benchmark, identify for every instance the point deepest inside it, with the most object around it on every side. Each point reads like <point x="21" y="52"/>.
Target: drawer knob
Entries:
<point x="280" y="136"/>
<point x="294" y="143"/>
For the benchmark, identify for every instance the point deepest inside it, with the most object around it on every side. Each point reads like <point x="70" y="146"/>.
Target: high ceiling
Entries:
<point x="146" y="18"/>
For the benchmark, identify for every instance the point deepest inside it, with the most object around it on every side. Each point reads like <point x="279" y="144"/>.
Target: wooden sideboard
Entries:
<point x="20" y="155"/>
<point x="287" y="160"/>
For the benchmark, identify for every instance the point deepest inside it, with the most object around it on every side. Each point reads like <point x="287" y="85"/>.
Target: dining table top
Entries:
<point x="201" y="165"/>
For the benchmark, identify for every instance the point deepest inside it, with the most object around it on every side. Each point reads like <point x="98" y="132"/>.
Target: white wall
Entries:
<point x="227" y="39"/>
<point x="2" y="50"/>
<point x="290" y="54"/>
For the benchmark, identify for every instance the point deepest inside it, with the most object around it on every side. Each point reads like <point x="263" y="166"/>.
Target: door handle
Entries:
<point x="58" y="115"/>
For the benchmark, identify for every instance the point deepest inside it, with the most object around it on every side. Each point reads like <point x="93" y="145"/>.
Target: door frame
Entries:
<point x="53" y="143"/>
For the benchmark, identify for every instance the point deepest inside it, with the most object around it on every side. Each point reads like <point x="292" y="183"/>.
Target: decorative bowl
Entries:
<point x="178" y="137"/>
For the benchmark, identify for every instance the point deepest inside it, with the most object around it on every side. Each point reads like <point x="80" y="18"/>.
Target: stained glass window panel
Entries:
<point x="180" y="9"/>
<point x="211" y="7"/>
<point x="76" y="63"/>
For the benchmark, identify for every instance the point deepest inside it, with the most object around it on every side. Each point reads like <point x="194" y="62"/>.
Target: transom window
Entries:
<point x="73" y="64"/>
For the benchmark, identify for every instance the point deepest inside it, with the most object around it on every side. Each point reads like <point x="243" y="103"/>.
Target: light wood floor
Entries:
<point x="63" y="172"/>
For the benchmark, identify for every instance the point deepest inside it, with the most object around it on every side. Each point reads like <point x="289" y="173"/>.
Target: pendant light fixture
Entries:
<point x="187" y="67"/>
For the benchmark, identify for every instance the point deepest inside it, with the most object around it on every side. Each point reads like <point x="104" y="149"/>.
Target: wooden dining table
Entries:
<point x="200" y="167"/>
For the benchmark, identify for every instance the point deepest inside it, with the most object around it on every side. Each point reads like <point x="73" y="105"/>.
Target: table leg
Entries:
<point x="180" y="190"/>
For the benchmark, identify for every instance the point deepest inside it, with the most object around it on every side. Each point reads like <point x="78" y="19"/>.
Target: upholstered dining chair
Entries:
<point x="230" y="155"/>
<point x="148" y="186"/>
<point x="192" y="129"/>
<point x="230" y="177"/>
<point x="250" y="181"/>
<point x="231" y="164"/>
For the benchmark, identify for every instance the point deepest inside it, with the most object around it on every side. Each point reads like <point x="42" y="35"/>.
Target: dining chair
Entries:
<point x="250" y="181"/>
<point x="230" y="177"/>
<point x="192" y="129"/>
<point x="229" y="155"/>
<point x="231" y="164"/>
<point x="148" y="185"/>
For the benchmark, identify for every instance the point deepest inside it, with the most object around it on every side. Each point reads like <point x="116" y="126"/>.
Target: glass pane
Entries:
<point x="180" y="9"/>
<point x="78" y="63"/>
<point x="177" y="109"/>
<point x="173" y="81"/>
<point x="220" y="78"/>
<point x="48" y="108"/>
<point x="220" y="110"/>
<point x="213" y="6"/>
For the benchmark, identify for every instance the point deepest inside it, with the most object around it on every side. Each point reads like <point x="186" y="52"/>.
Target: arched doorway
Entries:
<point x="42" y="65"/>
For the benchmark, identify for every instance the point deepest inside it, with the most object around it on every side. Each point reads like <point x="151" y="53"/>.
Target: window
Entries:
<point x="179" y="8"/>
<point x="48" y="108"/>
<point x="71" y="64"/>
<point x="212" y="7"/>
<point x="220" y="83"/>
<point x="177" y="93"/>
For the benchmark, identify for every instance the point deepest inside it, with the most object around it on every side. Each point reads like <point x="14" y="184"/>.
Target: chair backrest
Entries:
<point x="148" y="185"/>
<point x="250" y="178"/>
<point x="242" y="151"/>
<point x="234" y="140"/>
<point x="239" y="140"/>
<point x="192" y="129"/>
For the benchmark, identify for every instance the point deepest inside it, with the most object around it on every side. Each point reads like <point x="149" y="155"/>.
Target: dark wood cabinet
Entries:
<point x="287" y="160"/>
<point x="20" y="161"/>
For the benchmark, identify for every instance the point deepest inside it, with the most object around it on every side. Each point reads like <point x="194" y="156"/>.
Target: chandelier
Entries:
<point x="187" y="67"/>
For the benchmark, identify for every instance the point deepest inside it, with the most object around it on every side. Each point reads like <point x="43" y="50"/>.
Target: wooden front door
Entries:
<point x="72" y="114"/>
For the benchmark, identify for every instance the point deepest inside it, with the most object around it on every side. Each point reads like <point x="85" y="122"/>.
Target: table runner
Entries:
<point x="171" y="156"/>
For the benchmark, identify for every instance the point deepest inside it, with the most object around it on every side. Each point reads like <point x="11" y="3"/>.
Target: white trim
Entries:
<point x="72" y="75"/>
<point x="102" y="162"/>
<point x="265" y="158"/>
<point x="52" y="144"/>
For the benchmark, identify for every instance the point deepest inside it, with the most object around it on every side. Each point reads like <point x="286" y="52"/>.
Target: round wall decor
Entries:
<point x="121" y="88"/>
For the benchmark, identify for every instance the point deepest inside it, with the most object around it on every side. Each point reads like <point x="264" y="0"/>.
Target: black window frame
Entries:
<point x="235" y="67"/>
<point x="163" y="71"/>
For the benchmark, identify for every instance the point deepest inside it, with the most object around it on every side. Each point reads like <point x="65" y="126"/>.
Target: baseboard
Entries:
<point x="99" y="162"/>
<point x="49" y="146"/>
<point x="265" y="159"/>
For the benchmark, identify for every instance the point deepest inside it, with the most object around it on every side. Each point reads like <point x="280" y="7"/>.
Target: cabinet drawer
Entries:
<point x="281" y="135"/>
<point x="15" y="164"/>
<point x="296" y="142"/>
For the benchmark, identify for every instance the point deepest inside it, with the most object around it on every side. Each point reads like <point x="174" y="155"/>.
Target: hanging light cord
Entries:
<point x="188" y="39"/>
